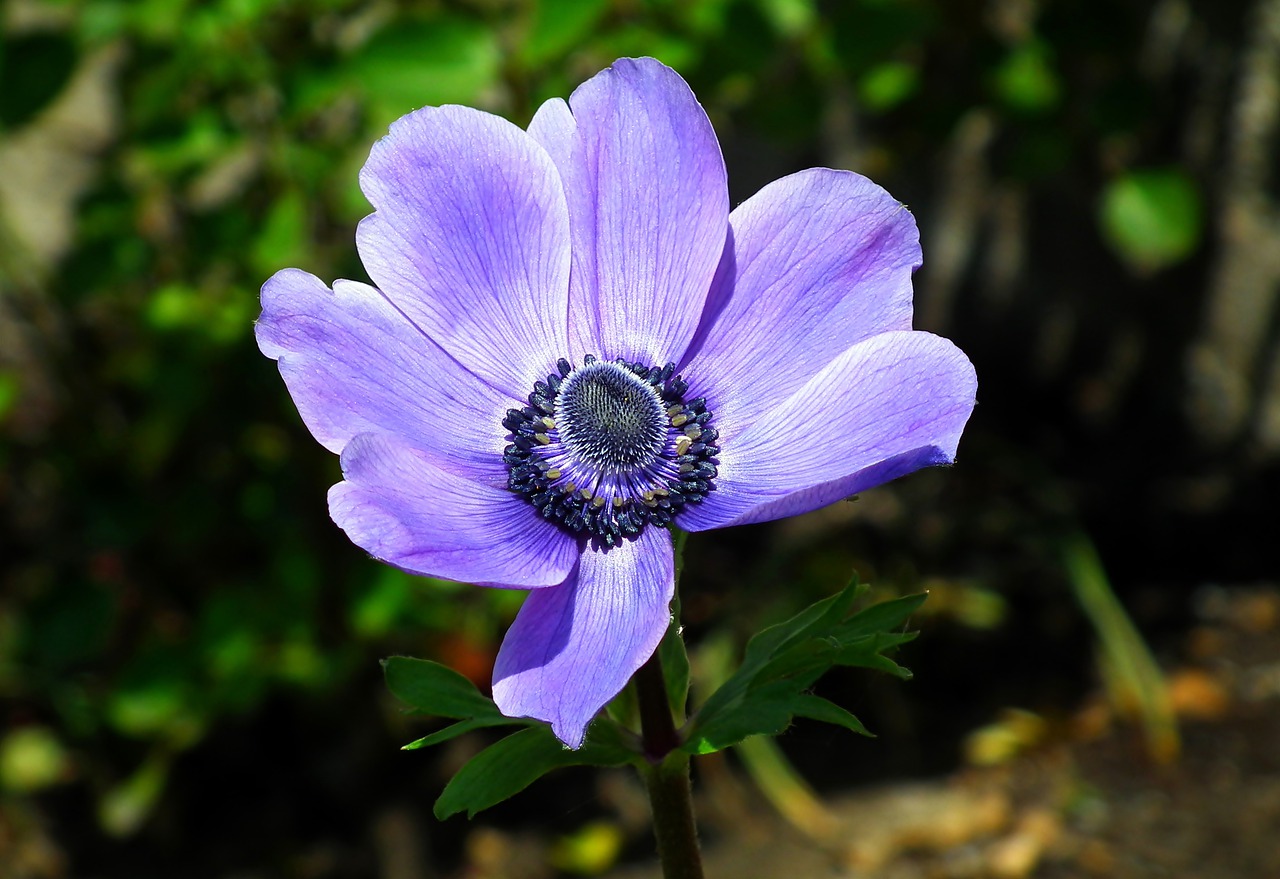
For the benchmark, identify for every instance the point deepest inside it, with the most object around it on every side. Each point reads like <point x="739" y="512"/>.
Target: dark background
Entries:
<point x="188" y="646"/>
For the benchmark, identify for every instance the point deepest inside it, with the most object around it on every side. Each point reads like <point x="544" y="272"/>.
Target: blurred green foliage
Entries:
<point x="1152" y="217"/>
<point x="166" y="563"/>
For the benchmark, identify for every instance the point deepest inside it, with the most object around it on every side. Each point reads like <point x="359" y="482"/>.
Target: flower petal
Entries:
<point x="355" y="364"/>
<point x="648" y="207"/>
<point x="573" y="647"/>
<point x="887" y="406"/>
<point x="471" y="241"/>
<point x="406" y="511"/>
<point x="817" y="262"/>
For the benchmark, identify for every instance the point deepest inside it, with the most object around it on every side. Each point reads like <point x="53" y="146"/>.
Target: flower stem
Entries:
<point x="657" y="727"/>
<point x="666" y="775"/>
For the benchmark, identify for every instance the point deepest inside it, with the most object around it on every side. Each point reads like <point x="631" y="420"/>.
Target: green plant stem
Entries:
<point x="666" y="776"/>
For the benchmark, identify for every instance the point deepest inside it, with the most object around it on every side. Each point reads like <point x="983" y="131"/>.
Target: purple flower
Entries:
<point x="574" y="343"/>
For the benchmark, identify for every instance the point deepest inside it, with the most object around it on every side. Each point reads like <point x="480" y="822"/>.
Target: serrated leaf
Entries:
<point x="883" y="617"/>
<point x="436" y="689"/>
<point x="817" y="708"/>
<point x="869" y="653"/>
<point x="815" y="617"/>
<point x="767" y="712"/>
<point x="782" y="662"/>
<point x="765" y="644"/>
<point x="512" y="764"/>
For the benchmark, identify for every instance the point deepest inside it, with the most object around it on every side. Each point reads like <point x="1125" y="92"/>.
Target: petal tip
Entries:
<point x="574" y="646"/>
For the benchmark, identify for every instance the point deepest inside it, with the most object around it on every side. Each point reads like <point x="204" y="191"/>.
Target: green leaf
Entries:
<point x="767" y="712"/>
<point x="453" y="730"/>
<point x="887" y="85"/>
<point x="792" y="19"/>
<point x="634" y="39"/>
<point x="816" y="617"/>
<point x="817" y="708"/>
<point x="556" y="26"/>
<point x="509" y="766"/>
<point x="765" y="644"/>
<point x="444" y="60"/>
<point x="436" y="689"/>
<point x="285" y="237"/>
<point x="671" y="650"/>
<point x="1026" y="80"/>
<point x="675" y="665"/>
<point x="782" y="662"/>
<point x="883" y="617"/>
<point x="869" y="653"/>
<point x="1152" y="218"/>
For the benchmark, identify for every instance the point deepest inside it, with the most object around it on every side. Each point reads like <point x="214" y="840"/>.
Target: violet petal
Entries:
<point x="573" y="647"/>
<point x="818" y="261"/>
<point x="471" y="241"/>
<point x="885" y="407"/>
<point x="648" y="206"/>
<point x="401" y="508"/>
<point x="354" y="364"/>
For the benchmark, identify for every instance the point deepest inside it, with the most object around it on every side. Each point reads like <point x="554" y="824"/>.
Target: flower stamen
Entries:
<point x="599" y="448"/>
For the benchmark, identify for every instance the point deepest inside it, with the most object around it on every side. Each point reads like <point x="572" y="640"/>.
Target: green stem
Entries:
<point x="666" y="775"/>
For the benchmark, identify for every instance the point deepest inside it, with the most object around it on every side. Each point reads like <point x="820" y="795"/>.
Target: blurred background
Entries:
<point x="189" y="683"/>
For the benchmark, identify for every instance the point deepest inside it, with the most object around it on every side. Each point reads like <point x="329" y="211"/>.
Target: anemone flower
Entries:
<point x="573" y="345"/>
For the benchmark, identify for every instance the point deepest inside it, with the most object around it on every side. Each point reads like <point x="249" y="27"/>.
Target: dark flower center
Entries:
<point x="610" y="447"/>
<point x="610" y="417"/>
